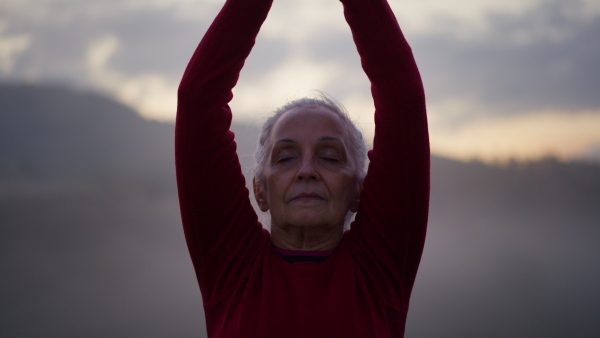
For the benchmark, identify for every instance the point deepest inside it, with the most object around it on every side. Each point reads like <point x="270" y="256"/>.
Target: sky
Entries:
<point x="504" y="79"/>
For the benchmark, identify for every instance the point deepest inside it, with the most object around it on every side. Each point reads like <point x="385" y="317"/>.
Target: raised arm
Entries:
<point x="391" y="222"/>
<point x="220" y="224"/>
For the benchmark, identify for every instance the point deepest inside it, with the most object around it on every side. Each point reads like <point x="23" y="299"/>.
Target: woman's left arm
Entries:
<point x="391" y="223"/>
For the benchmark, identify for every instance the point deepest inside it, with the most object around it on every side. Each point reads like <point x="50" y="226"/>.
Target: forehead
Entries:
<point x="309" y="122"/>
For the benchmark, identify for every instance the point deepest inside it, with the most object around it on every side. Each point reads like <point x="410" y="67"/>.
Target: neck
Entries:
<point x="306" y="239"/>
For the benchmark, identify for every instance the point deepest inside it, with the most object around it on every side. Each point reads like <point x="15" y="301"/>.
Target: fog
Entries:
<point x="91" y="241"/>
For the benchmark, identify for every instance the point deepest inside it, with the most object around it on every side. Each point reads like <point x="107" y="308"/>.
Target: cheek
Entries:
<point x="275" y="185"/>
<point x="353" y="185"/>
<point x="347" y="186"/>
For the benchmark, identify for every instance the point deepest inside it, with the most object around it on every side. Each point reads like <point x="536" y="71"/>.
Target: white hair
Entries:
<point x="358" y="149"/>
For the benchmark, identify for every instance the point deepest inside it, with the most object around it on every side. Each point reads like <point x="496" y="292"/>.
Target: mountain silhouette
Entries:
<point x="91" y="241"/>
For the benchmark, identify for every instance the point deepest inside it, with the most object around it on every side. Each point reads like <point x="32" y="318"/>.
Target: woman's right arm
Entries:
<point x="220" y="225"/>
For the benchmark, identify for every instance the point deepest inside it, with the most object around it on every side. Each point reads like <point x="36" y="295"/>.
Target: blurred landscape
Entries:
<point x="91" y="243"/>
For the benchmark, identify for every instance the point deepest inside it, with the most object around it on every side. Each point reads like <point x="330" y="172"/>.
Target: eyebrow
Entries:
<point x="321" y="139"/>
<point x="285" y="140"/>
<point x="330" y="138"/>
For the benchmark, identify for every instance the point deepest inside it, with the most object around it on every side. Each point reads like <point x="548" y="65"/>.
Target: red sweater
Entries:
<point x="248" y="290"/>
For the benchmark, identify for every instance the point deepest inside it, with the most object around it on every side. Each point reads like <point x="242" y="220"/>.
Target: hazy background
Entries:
<point x="91" y="243"/>
<point x="90" y="236"/>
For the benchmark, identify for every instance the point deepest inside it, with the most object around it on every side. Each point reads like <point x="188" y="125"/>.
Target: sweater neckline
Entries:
<point x="286" y="252"/>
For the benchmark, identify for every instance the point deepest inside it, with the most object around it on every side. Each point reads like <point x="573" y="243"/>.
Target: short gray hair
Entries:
<point x="358" y="149"/>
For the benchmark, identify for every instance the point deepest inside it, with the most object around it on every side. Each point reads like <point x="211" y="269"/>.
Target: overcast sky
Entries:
<point x="503" y="78"/>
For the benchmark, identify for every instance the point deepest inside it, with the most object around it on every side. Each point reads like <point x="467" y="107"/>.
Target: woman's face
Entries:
<point x="310" y="178"/>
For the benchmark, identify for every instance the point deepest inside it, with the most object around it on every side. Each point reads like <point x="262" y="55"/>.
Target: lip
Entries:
<point x="307" y="197"/>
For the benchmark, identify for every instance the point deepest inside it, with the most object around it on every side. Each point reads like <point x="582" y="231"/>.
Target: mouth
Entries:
<point x="308" y="197"/>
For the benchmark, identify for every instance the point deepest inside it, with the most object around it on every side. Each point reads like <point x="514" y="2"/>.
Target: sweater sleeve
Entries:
<point x="220" y="225"/>
<point x="389" y="231"/>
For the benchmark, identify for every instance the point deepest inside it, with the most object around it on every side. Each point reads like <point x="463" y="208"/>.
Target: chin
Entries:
<point x="313" y="221"/>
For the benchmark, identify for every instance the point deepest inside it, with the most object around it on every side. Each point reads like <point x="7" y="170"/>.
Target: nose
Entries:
<point x="307" y="170"/>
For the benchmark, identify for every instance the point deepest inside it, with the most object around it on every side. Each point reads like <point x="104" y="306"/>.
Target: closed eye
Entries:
<point x="284" y="159"/>
<point x="283" y="154"/>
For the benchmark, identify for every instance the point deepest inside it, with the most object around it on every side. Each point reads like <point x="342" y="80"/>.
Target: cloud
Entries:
<point x="152" y="32"/>
<point x="530" y="53"/>
<point x="151" y="93"/>
<point x="135" y="51"/>
<point x="532" y="135"/>
<point x="10" y="47"/>
<point x="462" y="18"/>
<point x="472" y="19"/>
<point x="68" y="12"/>
<point x="297" y="76"/>
<point x="525" y="89"/>
<point x="100" y="51"/>
<point x="492" y="58"/>
<point x="540" y="59"/>
<point x="305" y="20"/>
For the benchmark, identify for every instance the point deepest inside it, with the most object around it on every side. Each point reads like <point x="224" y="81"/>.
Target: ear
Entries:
<point x="260" y="197"/>
<point x="356" y="203"/>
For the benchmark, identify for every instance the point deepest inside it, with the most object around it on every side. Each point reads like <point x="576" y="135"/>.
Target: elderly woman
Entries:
<point x="306" y="277"/>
